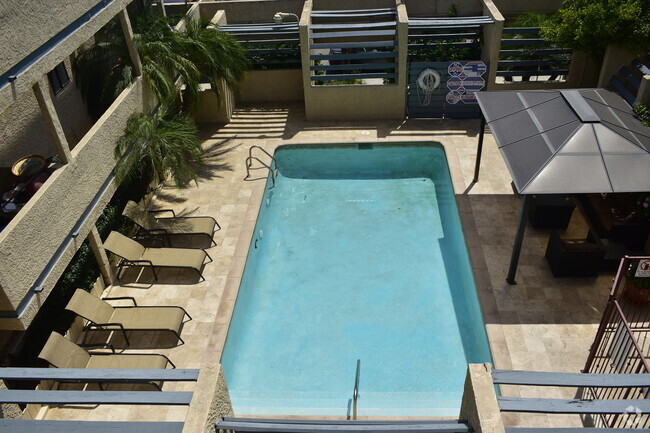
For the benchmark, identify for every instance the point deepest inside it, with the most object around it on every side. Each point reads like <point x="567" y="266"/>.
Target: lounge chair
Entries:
<point x="103" y="316"/>
<point x="60" y="352"/>
<point x="133" y="253"/>
<point x="151" y="225"/>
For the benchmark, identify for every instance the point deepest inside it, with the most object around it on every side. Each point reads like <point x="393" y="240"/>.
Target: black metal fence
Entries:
<point x="526" y="55"/>
<point x="621" y="346"/>
<point x="268" y="45"/>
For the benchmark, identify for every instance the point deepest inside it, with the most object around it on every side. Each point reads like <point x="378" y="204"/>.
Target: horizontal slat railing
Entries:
<point x="536" y="73"/>
<point x="341" y="422"/>
<point x="542" y="378"/>
<point x="535" y="52"/>
<point x="369" y="44"/>
<point x="172" y="398"/>
<point x="353" y="26"/>
<point x="350" y="77"/>
<point x="356" y="56"/>
<point x="100" y="375"/>
<point x="353" y="67"/>
<point x="353" y="34"/>
<point x="53" y="426"/>
<point x="294" y="426"/>
<point x="571" y="406"/>
<point x="574" y="430"/>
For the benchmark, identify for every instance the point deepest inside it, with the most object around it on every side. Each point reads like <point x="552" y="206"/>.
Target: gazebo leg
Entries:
<point x="519" y="240"/>
<point x="479" y="151"/>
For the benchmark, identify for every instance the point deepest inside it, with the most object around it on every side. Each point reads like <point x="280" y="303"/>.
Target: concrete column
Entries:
<point x="492" y="42"/>
<point x="644" y="91"/>
<point x="402" y="44"/>
<point x="128" y="37"/>
<point x="615" y="58"/>
<point x="42" y="93"/>
<point x="100" y="255"/>
<point x="479" y="406"/>
<point x="9" y="410"/>
<point x="305" y="22"/>
<point x="210" y="402"/>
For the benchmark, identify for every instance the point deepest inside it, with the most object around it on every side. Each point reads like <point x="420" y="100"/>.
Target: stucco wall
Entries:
<point x="26" y="26"/>
<point x="268" y="86"/>
<point x="23" y="131"/>
<point x="32" y="238"/>
<point x="37" y="21"/>
<point x="354" y="102"/>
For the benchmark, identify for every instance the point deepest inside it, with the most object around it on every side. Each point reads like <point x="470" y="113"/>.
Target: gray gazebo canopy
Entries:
<point x="566" y="142"/>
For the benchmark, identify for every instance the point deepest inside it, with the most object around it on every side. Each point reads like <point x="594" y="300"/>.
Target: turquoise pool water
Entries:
<point x="357" y="254"/>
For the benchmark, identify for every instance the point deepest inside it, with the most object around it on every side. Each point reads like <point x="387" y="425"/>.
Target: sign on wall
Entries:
<point x="465" y="79"/>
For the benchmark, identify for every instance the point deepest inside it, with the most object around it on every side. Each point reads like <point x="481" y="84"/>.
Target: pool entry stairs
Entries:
<point x="263" y="425"/>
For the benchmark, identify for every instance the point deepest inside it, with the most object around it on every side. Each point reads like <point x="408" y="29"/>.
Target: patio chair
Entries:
<point x="151" y="225"/>
<point x="60" y="352"/>
<point x="574" y="257"/>
<point x="133" y="253"/>
<point x="103" y="316"/>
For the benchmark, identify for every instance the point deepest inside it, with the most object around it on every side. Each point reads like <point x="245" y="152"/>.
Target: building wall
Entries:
<point x="25" y="27"/>
<point x="38" y="21"/>
<point x="250" y="11"/>
<point x="269" y="86"/>
<point x="33" y="237"/>
<point x="23" y="131"/>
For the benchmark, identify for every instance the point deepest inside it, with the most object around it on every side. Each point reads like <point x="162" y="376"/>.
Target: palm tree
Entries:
<point x="164" y="142"/>
<point x="103" y="70"/>
<point x="217" y="55"/>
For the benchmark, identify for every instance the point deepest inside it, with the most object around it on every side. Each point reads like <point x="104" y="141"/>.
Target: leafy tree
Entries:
<point x="592" y="25"/>
<point x="165" y="142"/>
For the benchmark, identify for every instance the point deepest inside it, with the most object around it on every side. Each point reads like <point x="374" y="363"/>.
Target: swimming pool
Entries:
<point x="358" y="253"/>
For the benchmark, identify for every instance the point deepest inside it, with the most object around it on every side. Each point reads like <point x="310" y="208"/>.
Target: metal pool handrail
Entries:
<point x="273" y="167"/>
<point x="355" y="394"/>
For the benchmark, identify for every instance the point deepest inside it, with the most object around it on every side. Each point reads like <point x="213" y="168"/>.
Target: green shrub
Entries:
<point x="642" y="113"/>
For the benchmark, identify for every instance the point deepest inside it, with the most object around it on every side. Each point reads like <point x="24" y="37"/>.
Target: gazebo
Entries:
<point x="565" y="142"/>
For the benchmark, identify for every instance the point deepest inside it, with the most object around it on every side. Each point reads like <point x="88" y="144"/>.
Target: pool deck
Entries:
<point x="542" y="323"/>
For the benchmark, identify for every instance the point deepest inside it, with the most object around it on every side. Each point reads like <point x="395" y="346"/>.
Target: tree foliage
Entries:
<point x="165" y="142"/>
<point x="592" y="25"/>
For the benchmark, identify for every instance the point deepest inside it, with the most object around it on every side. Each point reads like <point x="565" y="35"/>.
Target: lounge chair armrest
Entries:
<point x="102" y="345"/>
<point x="158" y="306"/>
<point x="109" y="326"/>
<point x="122" y="298"/>
<point x="136" y="262"/>
<point x="164" y="210"/>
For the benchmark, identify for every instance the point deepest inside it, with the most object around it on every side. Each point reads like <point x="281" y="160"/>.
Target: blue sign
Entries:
<point x="454" y="83"/>
<point x="455" y="68"/>
<point x="473" y="84"/>
<point x="453" y="97"/>
<point x="474" y="69"/>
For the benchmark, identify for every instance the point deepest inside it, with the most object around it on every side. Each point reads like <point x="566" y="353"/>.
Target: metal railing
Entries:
<point x="355" y="393"/>
<point x="621" y="346"/>
<point x="272" y="167"/>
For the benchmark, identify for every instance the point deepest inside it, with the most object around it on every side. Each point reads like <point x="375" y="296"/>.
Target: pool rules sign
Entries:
<point x="465" y="80"/>
<point x="643" y="270"/>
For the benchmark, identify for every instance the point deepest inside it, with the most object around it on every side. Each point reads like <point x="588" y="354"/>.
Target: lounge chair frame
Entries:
<point x="113" y="326"/>
<point x="113" y="352"/>
<point x="147" y="233"/>
<point x="125" y="263"/>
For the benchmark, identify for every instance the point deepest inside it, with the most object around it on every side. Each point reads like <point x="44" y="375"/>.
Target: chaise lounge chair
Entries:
<point x="150" y="225"/>
<point x="60" y="352"/>
<point x="103" y="316"/>
<point x="135" y="254"/>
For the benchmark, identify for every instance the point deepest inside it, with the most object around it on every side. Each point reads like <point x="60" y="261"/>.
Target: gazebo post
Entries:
<point x="519" y="239"/>
<point x="481" y="134"/>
